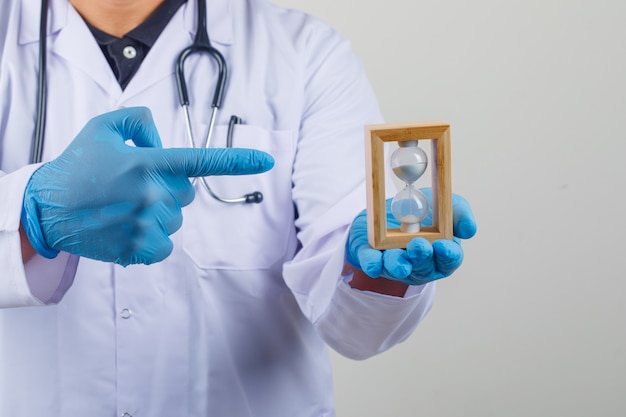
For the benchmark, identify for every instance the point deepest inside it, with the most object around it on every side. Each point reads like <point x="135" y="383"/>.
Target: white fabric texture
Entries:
<point x="235" y="322"/>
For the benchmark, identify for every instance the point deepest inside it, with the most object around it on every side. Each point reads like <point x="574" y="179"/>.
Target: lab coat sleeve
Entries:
<point x="41" y="281"/>
<point x="359" y="324"/>
<point x="329" y="191"/>
<point x="385" y="320"/>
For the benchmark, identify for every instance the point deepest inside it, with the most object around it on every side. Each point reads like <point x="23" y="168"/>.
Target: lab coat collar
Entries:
<point x="75" y="43"/>
<point x="29" y="19"/>
<point x="219" y="19"/>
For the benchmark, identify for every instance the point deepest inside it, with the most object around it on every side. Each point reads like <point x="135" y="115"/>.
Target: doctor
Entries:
<point x="125" y="293"/>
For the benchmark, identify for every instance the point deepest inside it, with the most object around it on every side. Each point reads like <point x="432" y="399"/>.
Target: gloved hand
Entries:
<point x="421" y="261"/>
<point x="106" y="200"/>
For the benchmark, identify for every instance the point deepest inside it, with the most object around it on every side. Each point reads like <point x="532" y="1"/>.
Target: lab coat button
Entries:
<point x="129" y="52"/>
<point x="126" y="415"/>
<point x="125" y="314"/>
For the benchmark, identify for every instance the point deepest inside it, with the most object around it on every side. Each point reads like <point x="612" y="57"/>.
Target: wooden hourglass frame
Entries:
<point x="438" y="133"/>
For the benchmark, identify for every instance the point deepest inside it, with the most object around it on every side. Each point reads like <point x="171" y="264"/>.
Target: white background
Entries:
<point x="533" y="324"/>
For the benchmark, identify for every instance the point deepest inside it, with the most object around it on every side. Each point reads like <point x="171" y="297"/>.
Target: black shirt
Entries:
<point x="126" y="54"/>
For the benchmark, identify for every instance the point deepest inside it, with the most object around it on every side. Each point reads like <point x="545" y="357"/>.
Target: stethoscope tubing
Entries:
<point x="200" y="44"/>
<point x="40" y="119"/>
<point x="254" y="197"/>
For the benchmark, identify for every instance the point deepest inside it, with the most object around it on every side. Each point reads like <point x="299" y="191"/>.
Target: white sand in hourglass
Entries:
<point x="410" y="205"/>
<point x="410" y="173"/>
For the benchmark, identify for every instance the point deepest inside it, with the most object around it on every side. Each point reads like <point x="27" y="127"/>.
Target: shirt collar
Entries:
<point x="147" y="32"/>
<point x="219" y="19"/>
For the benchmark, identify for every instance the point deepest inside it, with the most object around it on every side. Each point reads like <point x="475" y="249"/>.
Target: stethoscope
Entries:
<point x="200" y="44"/>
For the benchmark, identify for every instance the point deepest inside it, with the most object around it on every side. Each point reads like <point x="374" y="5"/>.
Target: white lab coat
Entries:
<point x="236" y="321"/>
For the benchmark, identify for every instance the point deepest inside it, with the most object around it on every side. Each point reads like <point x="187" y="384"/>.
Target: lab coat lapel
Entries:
<point x="178" y="35"/>
<point x="73" y="42"/>
<point x="76" y="44"/>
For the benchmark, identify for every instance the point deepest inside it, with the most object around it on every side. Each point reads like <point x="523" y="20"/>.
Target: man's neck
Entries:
<point x="115" y="17"/>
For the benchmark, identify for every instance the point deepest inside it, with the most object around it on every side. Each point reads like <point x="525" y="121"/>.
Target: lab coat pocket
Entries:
<point x="219" y="235"/>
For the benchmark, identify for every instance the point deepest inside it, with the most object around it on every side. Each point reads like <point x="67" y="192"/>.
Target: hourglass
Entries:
<point x="410" y="205"/>
<point x="408" y="162"/>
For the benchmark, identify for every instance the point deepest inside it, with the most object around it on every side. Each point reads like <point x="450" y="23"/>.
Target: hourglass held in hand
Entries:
<point x="408" y="162"/>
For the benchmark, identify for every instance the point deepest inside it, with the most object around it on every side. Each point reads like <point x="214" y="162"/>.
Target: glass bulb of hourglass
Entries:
<point x="408" y="162"/>
<point x="409" y="207"/>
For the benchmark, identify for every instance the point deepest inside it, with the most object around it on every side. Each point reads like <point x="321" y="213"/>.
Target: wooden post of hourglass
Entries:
<point x="438" y="133"/>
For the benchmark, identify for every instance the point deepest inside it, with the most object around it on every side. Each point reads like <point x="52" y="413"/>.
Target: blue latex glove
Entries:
<point x="106" y="200"/>
<point x="421" y="261"/>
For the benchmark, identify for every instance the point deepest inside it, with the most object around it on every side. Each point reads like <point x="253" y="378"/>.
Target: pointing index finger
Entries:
<point x="192" y="162"/>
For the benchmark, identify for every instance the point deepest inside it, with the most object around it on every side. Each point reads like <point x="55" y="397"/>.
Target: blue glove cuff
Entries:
<point x="30" y="221"/>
